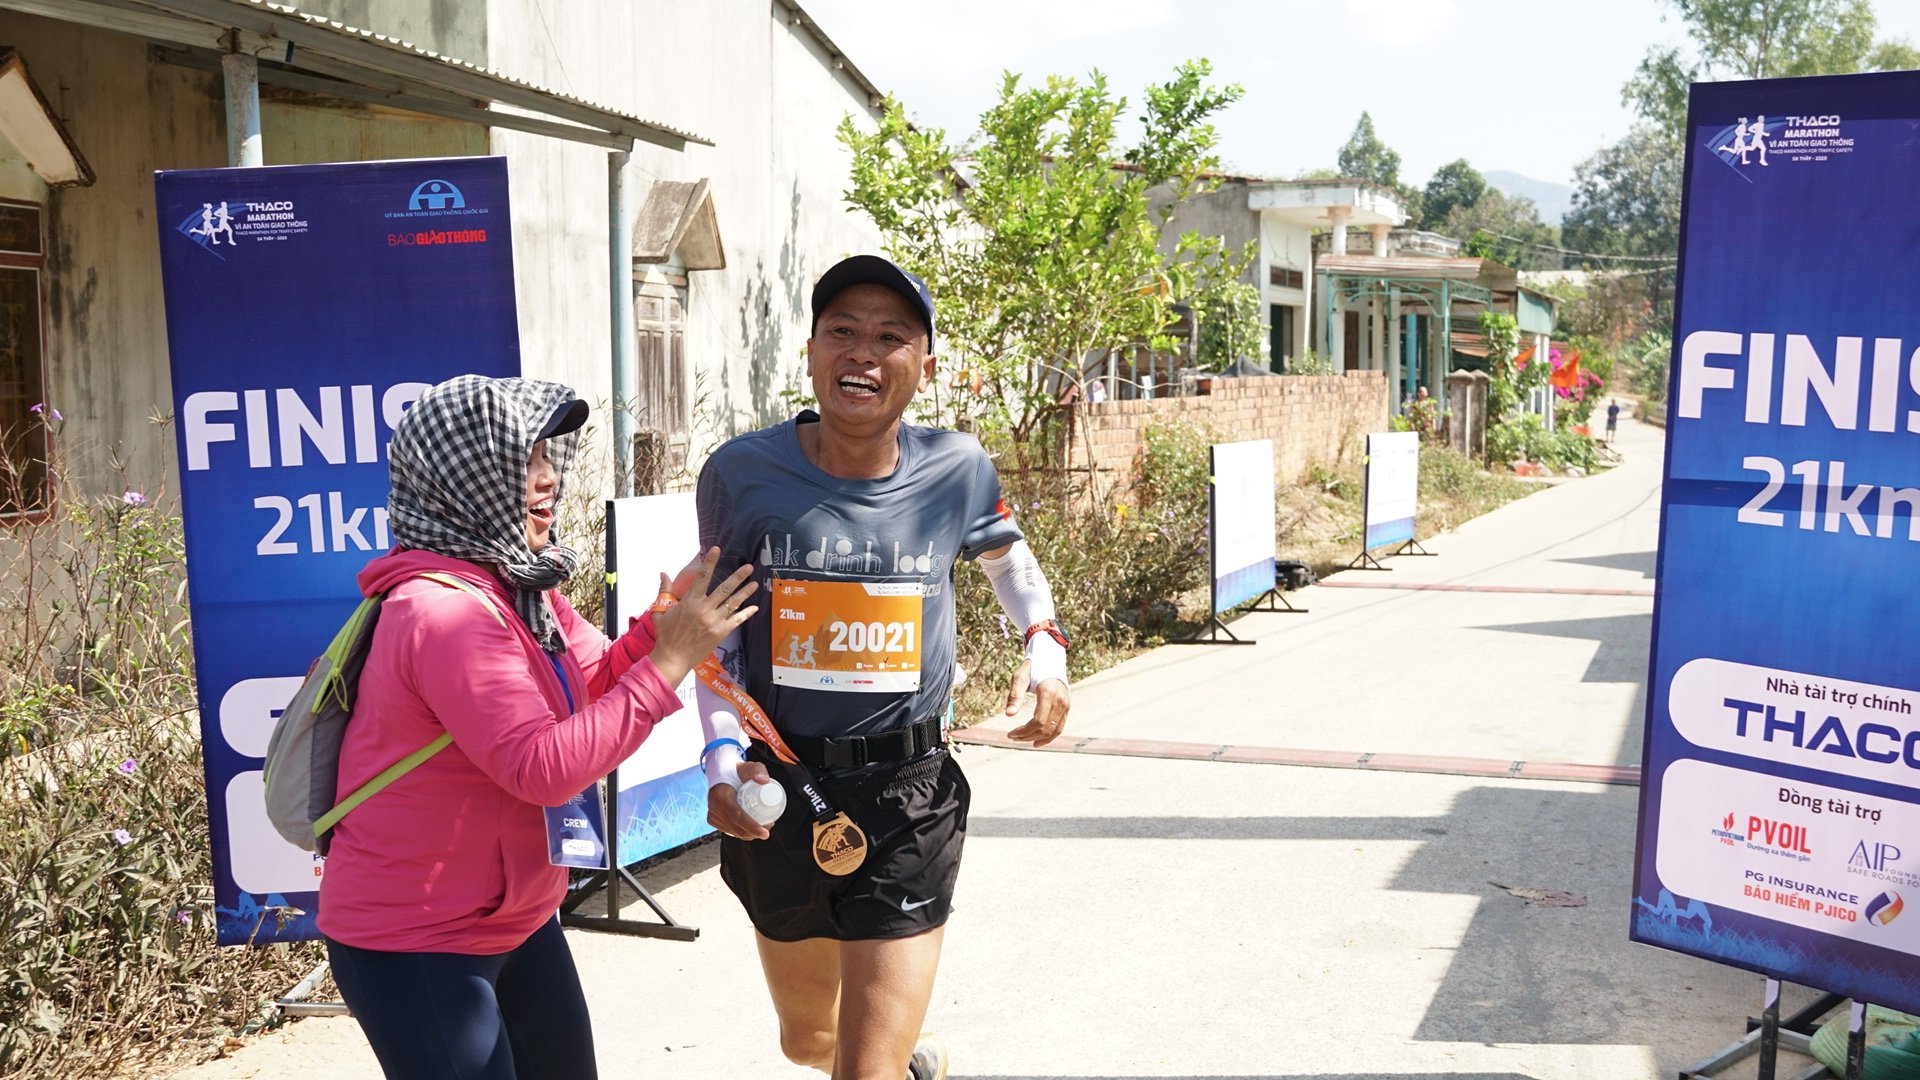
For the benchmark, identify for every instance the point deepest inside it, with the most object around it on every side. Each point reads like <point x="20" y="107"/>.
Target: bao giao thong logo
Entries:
<point x="437" y="198"/>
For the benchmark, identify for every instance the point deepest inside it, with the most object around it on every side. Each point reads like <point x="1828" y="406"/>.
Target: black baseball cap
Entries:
<point x="567" y="416"/>
<point x="873" y="270"/>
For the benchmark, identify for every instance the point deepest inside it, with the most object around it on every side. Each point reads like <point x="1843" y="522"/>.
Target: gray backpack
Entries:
<point x="303" y="755"/>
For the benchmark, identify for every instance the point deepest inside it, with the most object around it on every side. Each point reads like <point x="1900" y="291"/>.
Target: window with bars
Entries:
<point x="1284" y="277"/>
<point x="663" y="398"/>
<point x="24" y="416"/>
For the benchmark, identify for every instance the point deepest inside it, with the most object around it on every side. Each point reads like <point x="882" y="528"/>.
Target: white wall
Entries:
<point x="735" y="72"/>
<point x="1285" y="244"/>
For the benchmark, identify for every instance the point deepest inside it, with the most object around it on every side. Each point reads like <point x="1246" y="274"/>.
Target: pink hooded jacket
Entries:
<point x="452" y="857"/>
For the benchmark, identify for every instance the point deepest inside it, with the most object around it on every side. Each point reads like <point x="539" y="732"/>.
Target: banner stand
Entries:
<point x="295" y="1003"/>
<point x="1412" y="547"/>
<point x="1214" y="627"/>
<point x="609" y="880"/>
<point x="1366" y="561"/>
<point x="1769" y="1033"/>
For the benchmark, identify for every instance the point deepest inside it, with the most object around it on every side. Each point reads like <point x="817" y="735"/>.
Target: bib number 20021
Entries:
<point x="859" y="637"/>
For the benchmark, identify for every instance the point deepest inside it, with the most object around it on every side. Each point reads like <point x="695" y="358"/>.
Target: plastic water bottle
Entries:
<point x="764" y="803"/>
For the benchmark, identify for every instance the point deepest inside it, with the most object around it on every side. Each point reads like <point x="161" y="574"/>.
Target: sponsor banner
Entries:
<point x="1243" y="554"/>
<point x="1393" y="486"/>
<point x="662" y="798"/>
<point x="1782" y="750"/>
<point x="299" y="333"/>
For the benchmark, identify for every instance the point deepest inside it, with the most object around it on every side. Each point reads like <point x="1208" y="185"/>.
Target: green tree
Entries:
<point x="1626" y="198"/>
<point x="1452" y="186"/>
<point x="1759" y="39"/>
<point x="1048" y="252"/>
<point x="1504" y="228"/>
<point x="1365" y="157"/>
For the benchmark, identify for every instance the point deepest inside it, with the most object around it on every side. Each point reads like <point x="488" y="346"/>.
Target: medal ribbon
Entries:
<point x="829" y="824"/>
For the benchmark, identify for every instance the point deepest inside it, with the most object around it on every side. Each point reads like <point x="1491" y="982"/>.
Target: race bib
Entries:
<point x="851" y="636"/>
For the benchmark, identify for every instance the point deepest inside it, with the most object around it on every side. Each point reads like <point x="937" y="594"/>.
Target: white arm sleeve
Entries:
<point x="1027" y="599"/>
<point x="720" y="720"/>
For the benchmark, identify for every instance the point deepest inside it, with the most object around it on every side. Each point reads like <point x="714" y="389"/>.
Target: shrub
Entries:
<point x="109" y="958"/>
<point x="1527" y="438"/>
<point x="1119" y="567"/>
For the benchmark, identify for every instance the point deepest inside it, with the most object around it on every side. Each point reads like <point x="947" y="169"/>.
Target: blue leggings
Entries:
<point x="520" y="1015"/>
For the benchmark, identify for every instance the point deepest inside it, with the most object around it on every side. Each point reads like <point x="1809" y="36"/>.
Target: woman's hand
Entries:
<point x="688" y="631"/>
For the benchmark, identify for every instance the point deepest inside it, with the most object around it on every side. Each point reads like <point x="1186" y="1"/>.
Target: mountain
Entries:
<point x="1554" y="200"/>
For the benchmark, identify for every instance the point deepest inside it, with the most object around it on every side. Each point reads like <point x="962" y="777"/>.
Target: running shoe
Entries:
<point x="929" y="1058"/>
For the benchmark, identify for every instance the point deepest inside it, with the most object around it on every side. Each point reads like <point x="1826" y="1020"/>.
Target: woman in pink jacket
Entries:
<point x="439" y="903"/>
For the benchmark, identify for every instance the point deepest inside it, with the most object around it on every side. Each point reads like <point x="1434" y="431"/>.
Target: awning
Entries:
<point x="30" y="132"/>
<point x="678" y="217"/>
<point x="319" y="55"/>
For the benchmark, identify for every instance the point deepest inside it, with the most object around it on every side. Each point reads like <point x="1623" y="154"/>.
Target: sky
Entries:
<point x="1525" y="86"/>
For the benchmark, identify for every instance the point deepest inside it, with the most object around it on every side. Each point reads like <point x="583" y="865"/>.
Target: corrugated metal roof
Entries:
<point x="409" y="49"/>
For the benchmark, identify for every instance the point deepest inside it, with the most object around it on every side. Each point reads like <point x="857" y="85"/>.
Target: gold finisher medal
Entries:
<point x="839" y="847"/>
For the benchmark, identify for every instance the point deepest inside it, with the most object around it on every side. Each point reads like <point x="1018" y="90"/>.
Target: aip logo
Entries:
<point x="1884" y="908"/>
<point x="436" y="195"/>
<point x="1878" y="857"/>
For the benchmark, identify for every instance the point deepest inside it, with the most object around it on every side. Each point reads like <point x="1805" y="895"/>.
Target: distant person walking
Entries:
<point x="1613" y="418"/>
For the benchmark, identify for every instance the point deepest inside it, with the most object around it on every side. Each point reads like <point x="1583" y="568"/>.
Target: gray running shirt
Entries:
<point x="830" y="542"/>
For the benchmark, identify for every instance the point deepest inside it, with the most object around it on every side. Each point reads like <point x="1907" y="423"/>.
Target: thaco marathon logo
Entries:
<point x="218" y="228"/>
<point x="442" y="200"/>
<point x="1752" y="145"/>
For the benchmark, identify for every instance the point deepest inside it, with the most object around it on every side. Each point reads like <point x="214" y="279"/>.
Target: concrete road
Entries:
<point x="1158" y="900"/>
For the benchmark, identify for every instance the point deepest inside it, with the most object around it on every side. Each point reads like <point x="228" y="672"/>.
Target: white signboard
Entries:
<point x="663" y="794"/>
<point x="1393" y="486"/>
<point x="1242" y="545"/>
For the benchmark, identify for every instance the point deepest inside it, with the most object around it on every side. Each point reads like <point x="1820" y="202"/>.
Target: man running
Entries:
<point x="855" y="522"/>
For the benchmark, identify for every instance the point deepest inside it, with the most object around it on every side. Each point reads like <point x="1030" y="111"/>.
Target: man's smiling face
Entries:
<point x="868" y="358"/>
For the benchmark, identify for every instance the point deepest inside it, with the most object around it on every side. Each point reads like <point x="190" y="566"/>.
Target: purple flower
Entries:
<point x="122" y="837"/>
<point x="134" y="498"/>
<point x="128" y="766"/>
<point x="42" y="407"/>
<point x="1004" y="632"/>
<point x="1035" y="506"/>
<point x="183" y="915"/>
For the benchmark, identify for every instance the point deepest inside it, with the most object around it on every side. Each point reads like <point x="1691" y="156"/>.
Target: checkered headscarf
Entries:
<point x="458" y="466"/>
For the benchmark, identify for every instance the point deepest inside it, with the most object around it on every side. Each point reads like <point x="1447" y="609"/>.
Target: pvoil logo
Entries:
<point x="1883" y="909"/>
<point x="436" y="195"/>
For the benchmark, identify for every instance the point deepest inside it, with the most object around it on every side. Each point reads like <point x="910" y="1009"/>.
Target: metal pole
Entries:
<point x="1770" y="1031"/>
<point x="620" y="299"/>
<point x="1856" y="1040"/>
<point x="242" y="77"/>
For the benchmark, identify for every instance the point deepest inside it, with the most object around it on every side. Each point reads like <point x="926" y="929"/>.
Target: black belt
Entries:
<point x="854" y="751"/>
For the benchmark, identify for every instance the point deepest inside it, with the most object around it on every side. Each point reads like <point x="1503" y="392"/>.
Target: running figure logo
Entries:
<point x="214" y="222"/>
<point x="1738" y="144"/>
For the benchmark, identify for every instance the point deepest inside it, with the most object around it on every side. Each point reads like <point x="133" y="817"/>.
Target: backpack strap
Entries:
<point x="419" y="757"/>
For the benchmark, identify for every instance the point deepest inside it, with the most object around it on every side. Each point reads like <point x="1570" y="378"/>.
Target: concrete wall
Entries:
<point x="106" y="345"/>
<point x="1309" y="418"/>
<point x="734" y="71"/>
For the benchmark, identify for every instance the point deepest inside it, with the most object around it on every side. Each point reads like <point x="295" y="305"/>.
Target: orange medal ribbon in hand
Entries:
<point x="839" y="847"/>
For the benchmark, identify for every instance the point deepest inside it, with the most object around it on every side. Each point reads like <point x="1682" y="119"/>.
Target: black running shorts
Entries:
<point x="915" y="818"/>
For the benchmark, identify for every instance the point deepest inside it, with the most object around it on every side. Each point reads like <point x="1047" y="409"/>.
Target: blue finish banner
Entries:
<point x="1780" y="811"/>
<point x="307" y="308"/>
